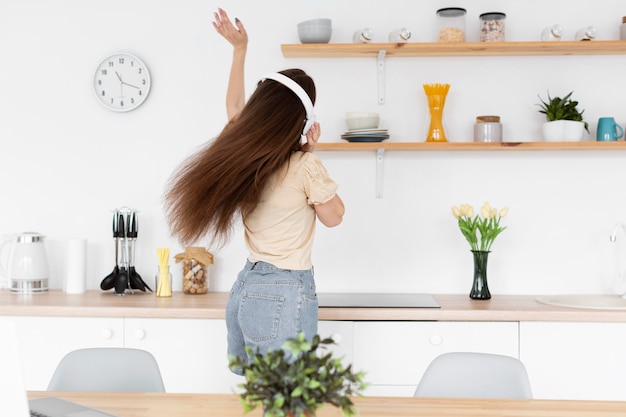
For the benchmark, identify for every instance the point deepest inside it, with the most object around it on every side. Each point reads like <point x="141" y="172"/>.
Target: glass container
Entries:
<point x="451" y="24"/>
<point x="163" y="282"/>
<point x="587" y="33"/>
<point x="552" y="33"/>
<point x="492" y="27"/>
<point x="401" y="35"/>
<point x="622" y="29"/>
<point x="436" y="95"/>
<point x="364" y="35"/>
<point x="195" y="262"/>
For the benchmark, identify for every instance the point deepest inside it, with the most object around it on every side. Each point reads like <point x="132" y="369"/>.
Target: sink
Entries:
<point x="594" y="302"/>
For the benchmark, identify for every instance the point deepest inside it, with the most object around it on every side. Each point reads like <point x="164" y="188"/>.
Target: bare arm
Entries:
<point x="238" y="38"/>
<point x="331" y="212"/>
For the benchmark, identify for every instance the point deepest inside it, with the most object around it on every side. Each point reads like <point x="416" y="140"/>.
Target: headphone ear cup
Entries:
<point x="308" y="125"/>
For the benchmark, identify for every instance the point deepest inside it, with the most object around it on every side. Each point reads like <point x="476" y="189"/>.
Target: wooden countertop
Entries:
<point x="227" y="405"/>
<point x="454" y="307"/>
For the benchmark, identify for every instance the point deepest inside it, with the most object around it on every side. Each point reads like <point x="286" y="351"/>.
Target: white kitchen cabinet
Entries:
<point x="394" y="355"/>
<point x="43" y="341"/>
<point x="342" y="333"/>
<point x="575" y="360"/>
<point x="191" y="353"/>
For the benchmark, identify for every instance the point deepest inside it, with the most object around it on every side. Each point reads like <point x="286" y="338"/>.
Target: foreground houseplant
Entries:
<point x="480" y="231"/>
<point x="297" y="379"/>
<point x="564" y="122"/>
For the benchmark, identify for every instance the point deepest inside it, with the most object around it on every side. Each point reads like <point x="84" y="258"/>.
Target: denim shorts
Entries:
<point x="268" y="305"/>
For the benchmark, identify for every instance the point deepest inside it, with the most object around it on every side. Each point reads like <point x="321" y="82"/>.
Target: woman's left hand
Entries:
<point x="312" y="136"/>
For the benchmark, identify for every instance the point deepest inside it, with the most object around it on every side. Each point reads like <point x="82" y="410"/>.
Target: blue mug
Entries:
<point x="608" y="130"/>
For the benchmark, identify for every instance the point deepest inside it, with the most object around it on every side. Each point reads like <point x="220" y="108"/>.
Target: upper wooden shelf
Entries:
<point x="433" y="49"/>
<point x="469" y="146"/>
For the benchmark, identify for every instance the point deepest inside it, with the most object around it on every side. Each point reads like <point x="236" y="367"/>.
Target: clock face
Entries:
<point x="121" y="82"/>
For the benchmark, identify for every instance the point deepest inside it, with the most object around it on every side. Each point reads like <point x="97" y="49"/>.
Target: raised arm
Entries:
<point x="238" y="38"/>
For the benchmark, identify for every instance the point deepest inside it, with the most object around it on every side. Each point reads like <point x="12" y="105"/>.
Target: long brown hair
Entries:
<point x="224" y="180"/>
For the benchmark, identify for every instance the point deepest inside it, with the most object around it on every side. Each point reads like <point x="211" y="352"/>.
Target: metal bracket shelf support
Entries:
<point x="381" y="76"/>
<point x="380" y="152"/>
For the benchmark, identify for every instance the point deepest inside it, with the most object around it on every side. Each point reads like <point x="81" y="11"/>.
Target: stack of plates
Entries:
<point x="366" y="135"/>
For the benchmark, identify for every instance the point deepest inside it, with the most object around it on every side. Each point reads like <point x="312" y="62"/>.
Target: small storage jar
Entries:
<point x="364" y="35"/>
<point x="492" y="27"/>
<point x="622" y="29"/>
<point x="552" y="33"/>
<point x="195" y="261"/>
<point x="451" y="24"/>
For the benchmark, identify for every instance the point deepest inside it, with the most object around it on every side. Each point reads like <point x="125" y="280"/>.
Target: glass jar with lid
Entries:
<point x="195" y="261"/>
<point x="552" y="33"/>
<point x="492" y="27"/>
<point x="364" y="35"/>
<point x="451" y="24"/>
<point x="588" y="33"/>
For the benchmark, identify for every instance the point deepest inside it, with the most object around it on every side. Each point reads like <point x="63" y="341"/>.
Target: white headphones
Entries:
<point x="302" y="95"/>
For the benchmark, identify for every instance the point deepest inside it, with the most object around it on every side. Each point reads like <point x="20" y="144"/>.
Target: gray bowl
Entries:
<point x="315" y="31"/>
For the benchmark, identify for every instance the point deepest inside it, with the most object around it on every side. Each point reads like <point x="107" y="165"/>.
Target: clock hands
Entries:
<point x="124" y="82"/>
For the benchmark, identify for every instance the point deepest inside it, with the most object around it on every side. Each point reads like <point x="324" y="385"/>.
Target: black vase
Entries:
<point x="480" y="289"/>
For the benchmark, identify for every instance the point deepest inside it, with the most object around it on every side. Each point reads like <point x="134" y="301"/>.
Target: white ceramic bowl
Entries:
<point x="362" y="120"/>
<point x="315" y="31"/>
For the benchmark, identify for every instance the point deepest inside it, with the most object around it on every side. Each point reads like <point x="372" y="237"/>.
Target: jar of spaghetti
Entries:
<point x="195" y="261"/>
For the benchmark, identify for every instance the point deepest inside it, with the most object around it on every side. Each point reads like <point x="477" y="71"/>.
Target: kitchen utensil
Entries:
<point x="27" y="268"/>
<point x="109" y="281"/>
<point x="136" y="282"/>
<point x="121" y="281"/>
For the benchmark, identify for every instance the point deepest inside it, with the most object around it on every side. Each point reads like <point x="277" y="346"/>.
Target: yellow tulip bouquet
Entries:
<point x="480" y="230"/>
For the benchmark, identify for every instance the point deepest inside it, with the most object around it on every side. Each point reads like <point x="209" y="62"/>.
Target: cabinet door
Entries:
<point x="342" y="333"/>
<point x="394" y="355"/>
<point x="43" y="341"/>
<point x="583" y="361"/>
<point x="191" y="352"/>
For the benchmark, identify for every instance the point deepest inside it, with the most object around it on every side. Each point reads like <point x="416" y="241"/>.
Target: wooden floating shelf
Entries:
<point x="434" y="49"/>
<point x="470" y="146"/>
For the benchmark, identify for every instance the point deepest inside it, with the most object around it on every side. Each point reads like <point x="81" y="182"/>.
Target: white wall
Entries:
<point x="66" y="162"/>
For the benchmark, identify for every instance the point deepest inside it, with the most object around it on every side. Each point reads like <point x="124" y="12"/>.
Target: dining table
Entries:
<point x="228" y="405"/>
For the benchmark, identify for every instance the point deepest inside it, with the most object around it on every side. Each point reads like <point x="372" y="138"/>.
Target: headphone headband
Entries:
<point x="302" y="95"/>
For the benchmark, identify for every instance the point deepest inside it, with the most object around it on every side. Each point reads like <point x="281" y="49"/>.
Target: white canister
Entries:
<point x="488" y="129"/>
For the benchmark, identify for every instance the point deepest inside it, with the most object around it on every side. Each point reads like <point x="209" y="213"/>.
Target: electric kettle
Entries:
<point x="27" y="266"/>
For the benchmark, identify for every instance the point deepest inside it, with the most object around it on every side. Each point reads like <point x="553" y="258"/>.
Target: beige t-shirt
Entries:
<point x="280" y="231"/>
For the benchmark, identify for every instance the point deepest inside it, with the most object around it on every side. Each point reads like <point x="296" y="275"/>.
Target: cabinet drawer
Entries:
<point x="397" y="353"/>
<point x="43" y="341"/>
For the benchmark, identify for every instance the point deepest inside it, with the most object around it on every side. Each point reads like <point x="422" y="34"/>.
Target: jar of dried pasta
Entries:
<point x="195" y="261"/>
<point x="492" y="27"/>
<point x="451" y="24"/>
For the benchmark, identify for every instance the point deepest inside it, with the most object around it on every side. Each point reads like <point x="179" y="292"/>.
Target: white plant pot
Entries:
<point x="563" y="131"/>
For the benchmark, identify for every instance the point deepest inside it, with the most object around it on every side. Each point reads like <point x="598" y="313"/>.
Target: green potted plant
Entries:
<point x="564" y="122"/>
<point x="297" y="379"/>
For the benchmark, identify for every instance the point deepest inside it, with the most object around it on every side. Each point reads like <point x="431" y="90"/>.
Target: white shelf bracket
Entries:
<point x="380" y="152"/>
<point x="381" y="76"/>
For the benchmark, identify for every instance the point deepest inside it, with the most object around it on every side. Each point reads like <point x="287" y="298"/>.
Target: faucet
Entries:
<point x="613" y="238"/>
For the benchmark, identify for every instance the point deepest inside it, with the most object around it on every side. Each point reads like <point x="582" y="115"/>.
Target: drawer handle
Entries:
<point x="139" y="334"/>
<point x="436" y="340"/>
<point x="106" y="334"/>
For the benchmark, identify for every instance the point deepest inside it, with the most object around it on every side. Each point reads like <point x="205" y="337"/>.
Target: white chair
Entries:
<point x="107" y="370"/>
<point x="474" y="375"/>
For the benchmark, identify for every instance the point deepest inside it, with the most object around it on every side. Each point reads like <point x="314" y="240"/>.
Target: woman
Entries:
<point x="259" y="170"/>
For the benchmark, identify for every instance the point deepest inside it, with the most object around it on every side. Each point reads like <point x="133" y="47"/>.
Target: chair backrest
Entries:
<point x="474" y="375"/>
<point x="107" y="370"/>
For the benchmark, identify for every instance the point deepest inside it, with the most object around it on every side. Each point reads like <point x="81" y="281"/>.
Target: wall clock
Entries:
<point x="121" y="82"/>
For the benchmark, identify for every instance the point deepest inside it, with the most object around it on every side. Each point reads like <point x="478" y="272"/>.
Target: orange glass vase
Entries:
<point x="436" y="95"/>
